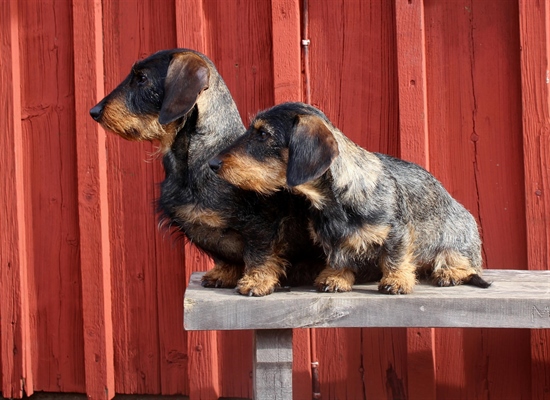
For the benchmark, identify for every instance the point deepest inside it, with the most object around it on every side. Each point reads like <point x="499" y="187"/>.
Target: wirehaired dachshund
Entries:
<point x="178" y="98"/>
<point x="367" y="210"/>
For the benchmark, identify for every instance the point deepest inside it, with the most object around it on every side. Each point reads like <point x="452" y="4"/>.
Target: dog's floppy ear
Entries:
<point x="311" y="150"/>
<point x="188" y="75"/>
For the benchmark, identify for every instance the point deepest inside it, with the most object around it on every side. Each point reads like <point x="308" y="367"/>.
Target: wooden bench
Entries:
<point x="517" y="299"/>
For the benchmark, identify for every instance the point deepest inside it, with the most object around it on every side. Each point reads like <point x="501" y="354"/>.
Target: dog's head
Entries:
<point x="285" y="146"/>
<point x="155" y="98"/>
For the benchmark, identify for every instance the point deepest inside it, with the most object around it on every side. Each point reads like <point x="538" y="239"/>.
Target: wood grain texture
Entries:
<point x="535" y="44"/>
<point x="287" y="86"/>
<point x="272" y="367"/>
<point x="286" y="49"/>
<point x="95" y="260"/>
<point x="147" y="263"/>
<point x="414" y="147"/>
<point x="487" y="101"/>
<point x="475" y="134"/>
<point x="517" y="299"/>
<point x="191" y="33"/>
<point x="48" y="124"/>
<point x="411" y="71"/>
<point x="353" y="67"/>
<point x="244" y="61"/>
<point x="15" y="333"/>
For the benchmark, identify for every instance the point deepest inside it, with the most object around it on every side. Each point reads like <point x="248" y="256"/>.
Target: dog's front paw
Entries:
<point x="332" y="280"/>
<point x="395" y="286"/>
<point x="257" y="284"/>
<point x="222" y="276"/>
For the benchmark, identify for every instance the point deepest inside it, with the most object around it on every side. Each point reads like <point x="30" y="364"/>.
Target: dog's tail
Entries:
<point x="476" y="280"/>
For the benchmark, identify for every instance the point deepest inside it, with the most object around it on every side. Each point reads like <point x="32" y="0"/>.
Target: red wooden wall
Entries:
<point x="91" y="291"/>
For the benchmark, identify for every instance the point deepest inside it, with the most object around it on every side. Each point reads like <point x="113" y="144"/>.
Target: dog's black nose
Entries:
<point x="215" y="164"/>
<point x="96" y="112"/>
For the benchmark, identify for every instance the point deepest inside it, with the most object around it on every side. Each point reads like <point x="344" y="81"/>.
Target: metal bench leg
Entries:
<point x="272" y="369"/>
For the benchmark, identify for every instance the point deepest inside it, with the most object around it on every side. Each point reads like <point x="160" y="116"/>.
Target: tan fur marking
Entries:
<point x="116" y="118"/>
<point x="451" y="268"/>
<point x="363" y="238"/>
<point x="194" y="214"/>
<point x="335" y="280"/>
<point x="262" y="280"/>
<point x="400" y="280"/>
<point x="264" y="177"/>
<point x="222" y="275"/>
<point x="258" y="124"/>
<point x="312" y="233"/>
<point x="313" y="194"/>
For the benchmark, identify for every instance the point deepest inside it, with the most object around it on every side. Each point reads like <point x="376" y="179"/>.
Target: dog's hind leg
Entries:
<point x="452" y="268"/>
<point x="223" y="275"/>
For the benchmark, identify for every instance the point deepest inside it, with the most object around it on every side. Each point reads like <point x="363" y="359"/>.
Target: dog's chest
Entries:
<point x="220" y="242"/>
<point x="199" y="206"/>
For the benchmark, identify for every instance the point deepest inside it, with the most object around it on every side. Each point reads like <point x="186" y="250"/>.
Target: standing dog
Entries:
<point x="368" y="210"/>
<point x="178" y="98"/>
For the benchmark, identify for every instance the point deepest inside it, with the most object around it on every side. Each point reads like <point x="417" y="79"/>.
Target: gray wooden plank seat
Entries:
<point x="517" y="299"/>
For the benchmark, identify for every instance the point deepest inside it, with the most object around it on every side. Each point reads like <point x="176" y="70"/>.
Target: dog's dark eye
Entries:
<point x="141" y="79"/>
<point x="262" y="135"/>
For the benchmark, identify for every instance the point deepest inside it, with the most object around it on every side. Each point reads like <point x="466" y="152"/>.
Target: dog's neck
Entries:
<point x="349" y="181"/>
<point x="212" y="124"/>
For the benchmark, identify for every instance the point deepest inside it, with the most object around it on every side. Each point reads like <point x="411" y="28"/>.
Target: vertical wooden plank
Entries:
<point x="354" y="70"/>
<point x="384" y="367"/>
<point x="287" y="66"/>
<point x="495" y="136"/>
<point x="354" y="81"/>
<point x="413" y="136"/>
<point x="421" y="373"/>
<point x="473" y="115"/>
<point x="534" y="27"/>
<point x="202" y="347"/>
<point x="535" y="77"/>
<point x="48" y="124"/>
<point x="17" y="377"/>
<point x="243" y="60"/>
<point x="169" y="251"/>
<point x="411" y="70"/>
<point x="272" y="368"/>
<point x="287" y="86"/>
<point x="92" y="200"/>
<point x="132" y="228"/>
<point x="166" y="366"/>
<point x="149" y="346"/>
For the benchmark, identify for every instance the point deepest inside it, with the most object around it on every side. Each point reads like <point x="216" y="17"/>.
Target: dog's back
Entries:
<point x="439" y="221"/>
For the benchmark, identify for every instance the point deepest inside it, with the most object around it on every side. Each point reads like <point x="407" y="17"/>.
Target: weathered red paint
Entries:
<point x="458" y="87"/>
<point x="93" y="202"/>
<point x="535" y="44"/>
<point x="15" y="337"/>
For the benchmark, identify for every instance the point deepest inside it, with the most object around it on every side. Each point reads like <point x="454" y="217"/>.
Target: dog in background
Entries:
<point x="368" y="210"/>
<point x="178" y="98"/>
